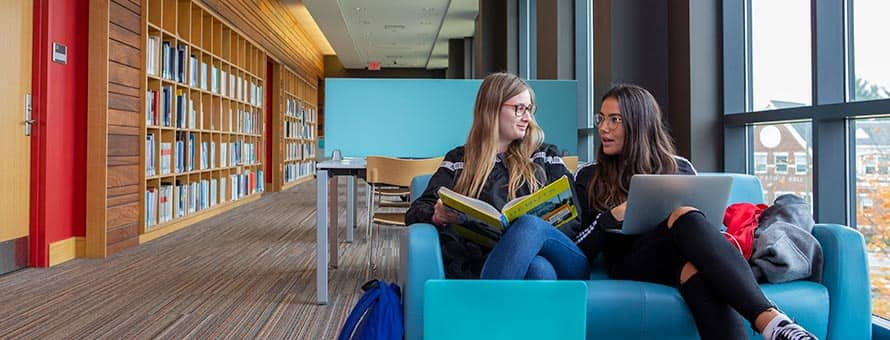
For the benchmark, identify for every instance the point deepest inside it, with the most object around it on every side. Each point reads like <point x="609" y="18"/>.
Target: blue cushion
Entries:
<point x="639" y="310"/>
<point x="501" y="309"/>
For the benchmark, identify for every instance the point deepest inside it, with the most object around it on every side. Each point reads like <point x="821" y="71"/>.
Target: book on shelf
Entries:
<point x="181" y="106"/>
<point x="222" y="82"/>
<point x="167" y="106"/>
<point x="149" y="155"/>
<point x="151" y="207"/>
<point x="193" y="71"/>
<point x="482" y="223"/>
<point x="151" y="107"/>
<point x="203" y="75"/>
<point x="180" y="63"/>
<point x="152" y="52"/>
<point x="222" y="189"/>
<point x="166" y="153"/>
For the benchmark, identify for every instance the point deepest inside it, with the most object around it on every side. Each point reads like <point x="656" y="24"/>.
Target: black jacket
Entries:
<point x="462" y="258"/>
<point x="591" y="238"/>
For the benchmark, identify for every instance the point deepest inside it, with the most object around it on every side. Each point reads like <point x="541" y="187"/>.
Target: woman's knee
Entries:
<point x="687" y="272"/>
<point x="677" y="213"/>
<point x="540" y="269"/>
<point x="530" y="223"/>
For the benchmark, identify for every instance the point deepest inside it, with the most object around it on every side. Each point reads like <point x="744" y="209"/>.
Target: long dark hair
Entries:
<point x="647" y="149"/>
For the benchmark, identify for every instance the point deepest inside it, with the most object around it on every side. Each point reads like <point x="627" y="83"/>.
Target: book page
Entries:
<point x="553" y="203"/>
<point x="473" y="208"/>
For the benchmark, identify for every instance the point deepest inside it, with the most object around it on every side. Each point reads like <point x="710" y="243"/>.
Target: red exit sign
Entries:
<point x="374" y="65"/>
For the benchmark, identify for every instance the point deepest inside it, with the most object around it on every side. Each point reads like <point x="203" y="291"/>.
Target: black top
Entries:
<point x="591" y="238"/>
<point x="462" y="258"/>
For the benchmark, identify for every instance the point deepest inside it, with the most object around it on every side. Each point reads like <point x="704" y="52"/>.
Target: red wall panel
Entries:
<point x="58" y="166"/>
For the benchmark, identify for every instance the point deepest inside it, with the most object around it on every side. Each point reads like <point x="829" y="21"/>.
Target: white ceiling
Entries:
<point x="396" y="33"/>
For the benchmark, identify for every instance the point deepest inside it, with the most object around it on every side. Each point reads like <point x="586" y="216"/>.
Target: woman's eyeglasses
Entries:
<point x="521" y="109"/>
<point x="612" y="121"/>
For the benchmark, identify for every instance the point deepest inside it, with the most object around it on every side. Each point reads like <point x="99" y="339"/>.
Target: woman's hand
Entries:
<point x="443" y="215"/>
<point x="618" y="212"/>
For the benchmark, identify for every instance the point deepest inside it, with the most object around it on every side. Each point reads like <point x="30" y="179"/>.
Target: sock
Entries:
<point x="772" y="325"/>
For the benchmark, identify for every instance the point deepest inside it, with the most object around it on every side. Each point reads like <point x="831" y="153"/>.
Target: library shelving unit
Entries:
<point x="203" y="135"/>
<point x="296" y="131"/>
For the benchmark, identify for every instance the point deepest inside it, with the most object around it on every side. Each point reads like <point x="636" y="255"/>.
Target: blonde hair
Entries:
<point x="480" y="151"/>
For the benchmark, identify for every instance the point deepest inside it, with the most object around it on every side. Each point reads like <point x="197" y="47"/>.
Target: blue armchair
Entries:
<point x="837" y="308"/>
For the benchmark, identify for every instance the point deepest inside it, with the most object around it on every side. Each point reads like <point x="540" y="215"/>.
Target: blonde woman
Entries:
<point x="504" y="157"/>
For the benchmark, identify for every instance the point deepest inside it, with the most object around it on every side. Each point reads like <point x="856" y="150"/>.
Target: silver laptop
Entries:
<point x="652" y="198"/>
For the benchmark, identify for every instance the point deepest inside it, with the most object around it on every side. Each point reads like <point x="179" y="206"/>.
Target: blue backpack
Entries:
<point x="376" y="315"/>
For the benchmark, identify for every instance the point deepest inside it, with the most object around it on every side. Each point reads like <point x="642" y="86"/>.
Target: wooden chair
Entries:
<point x="395" y="174"/>
<point x="571" y="163"/>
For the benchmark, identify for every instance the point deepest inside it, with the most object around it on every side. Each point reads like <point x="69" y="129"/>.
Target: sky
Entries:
<point x="782" y="52"/>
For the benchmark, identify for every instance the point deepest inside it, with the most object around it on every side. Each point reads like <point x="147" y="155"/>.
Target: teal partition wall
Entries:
<point x="426" y="118"/>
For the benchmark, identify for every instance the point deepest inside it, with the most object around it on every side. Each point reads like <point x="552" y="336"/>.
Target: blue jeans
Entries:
<point x="534" y="250"/>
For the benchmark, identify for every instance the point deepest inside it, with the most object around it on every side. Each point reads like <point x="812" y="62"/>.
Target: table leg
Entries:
<point x="321" y="238"/>
<point x="350" y="208"/>
<point x="333" y="211"/>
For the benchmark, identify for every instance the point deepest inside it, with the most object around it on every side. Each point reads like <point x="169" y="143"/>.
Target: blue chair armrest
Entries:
<point x="845" y="275"/>
<point x="422" y="261"/>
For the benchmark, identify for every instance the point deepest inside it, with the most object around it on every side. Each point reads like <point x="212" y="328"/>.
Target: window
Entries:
<point x="873" y="204"/>
<point x="780" y="54"/>
<point x="870" y="75"/>
<point x="760" y="162"/>
<point x="781" y="161"/>
<point x="774" y="51"/>
<point x="800" y="163"/>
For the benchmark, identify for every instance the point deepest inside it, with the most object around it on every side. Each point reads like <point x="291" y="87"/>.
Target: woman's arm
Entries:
<point x="423" y="208"/>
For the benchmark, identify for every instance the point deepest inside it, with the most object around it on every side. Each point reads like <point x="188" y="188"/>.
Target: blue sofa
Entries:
<point x="837" y="308"/>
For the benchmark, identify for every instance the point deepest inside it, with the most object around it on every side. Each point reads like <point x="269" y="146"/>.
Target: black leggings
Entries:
<point x="723" y="285"/>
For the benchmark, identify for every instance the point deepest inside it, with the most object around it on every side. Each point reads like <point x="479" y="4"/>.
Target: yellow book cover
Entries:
<point x="553" y="203"/>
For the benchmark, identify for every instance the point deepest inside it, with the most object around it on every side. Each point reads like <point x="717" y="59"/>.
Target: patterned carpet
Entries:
<point x="246" y="273"/>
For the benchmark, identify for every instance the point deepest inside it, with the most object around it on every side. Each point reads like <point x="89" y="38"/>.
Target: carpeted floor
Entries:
<point x="246" y="273"/>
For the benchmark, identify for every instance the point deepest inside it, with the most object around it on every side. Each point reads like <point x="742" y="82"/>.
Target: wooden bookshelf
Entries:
<point x="296" y="128"/>
<point x="203" y="119"/>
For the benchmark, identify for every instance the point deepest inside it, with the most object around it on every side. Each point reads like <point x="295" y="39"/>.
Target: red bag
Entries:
<point x="740" y="220"/>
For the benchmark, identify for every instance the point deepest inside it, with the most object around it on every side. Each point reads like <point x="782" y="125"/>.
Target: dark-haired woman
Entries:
<point x="684" y="251"/>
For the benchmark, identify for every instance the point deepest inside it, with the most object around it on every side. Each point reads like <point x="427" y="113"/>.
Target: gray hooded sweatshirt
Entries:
<point x="784" y="246"/>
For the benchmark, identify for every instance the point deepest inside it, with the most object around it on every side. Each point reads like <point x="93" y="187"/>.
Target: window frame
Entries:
<point x="776" y="156"/>
<point x="797" y="164"/>
<point x="832" y="112"/>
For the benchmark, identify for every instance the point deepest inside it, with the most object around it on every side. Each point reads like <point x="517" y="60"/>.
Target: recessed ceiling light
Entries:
<point x="429" y="9"/>
<point x="358" y="9"/>
<point x="426" y="22"/>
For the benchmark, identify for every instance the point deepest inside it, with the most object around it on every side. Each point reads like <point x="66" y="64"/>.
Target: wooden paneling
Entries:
<point x="123" y="233"/>
<point x="124" y="17"/>
<point x="122" y="214"/>
<point x="123" y="74"/>
<point x="122" y="145"/>
<point x="121" y="34"/>
<point x="123" y="130"/>
<point x="123" y="160"/>
<point x="271" y="25"/>
<point x="123" y="190"/>
<point x="123" y="53"/>
<point x="113" y="248"/>
<point x="122" y="200"/>
<point x="124" y="118"/>
<point x="123" y="175"/>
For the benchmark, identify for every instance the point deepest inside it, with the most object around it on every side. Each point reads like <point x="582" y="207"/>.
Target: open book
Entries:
<point x="480" y="222"/>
